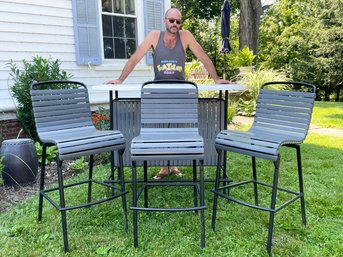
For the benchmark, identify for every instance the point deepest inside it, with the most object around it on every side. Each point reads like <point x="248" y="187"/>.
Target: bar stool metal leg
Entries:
<point x="62" y="205"/>
<point x="216" y="187"/>
<point x="195" y="193"/>
<point x="301" y="185"/>
<point x="90" y="177"/>
<point x="202" y="203"/>
<point x="145" y="167"/>
<point x="134" y="204"/>
<point x="272" y="205"/>
<point x="253" y="160"/>
<point x="122" y="187"/>
<point x="41" y="185"/>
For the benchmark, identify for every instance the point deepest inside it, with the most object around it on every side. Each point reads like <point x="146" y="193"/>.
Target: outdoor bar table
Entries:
<point x="125" y="116"/>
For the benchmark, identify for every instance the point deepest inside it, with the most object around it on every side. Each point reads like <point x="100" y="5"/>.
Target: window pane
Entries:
<point x="119" y="46"/>
<point x="130" y="27"/>
<point x="108" y="48"/>
<point x="130" y="7"/>
<point x="107" y="26"/>
<point x="107" y="5"/>
<point x="130" y="47"/>
<point x="119" y="6"/>
<point x="118" y="26"/>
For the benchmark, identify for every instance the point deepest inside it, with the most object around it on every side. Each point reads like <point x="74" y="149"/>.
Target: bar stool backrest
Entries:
<point x="169" y="104"/>
<point x="286" y="111"/>
<point x="58" y="108"/>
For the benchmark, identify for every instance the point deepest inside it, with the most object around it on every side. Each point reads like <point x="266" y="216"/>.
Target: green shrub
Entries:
<point x="231" y="111"/>
<point x="246" y="107"/>
<point x="79" y="164"/>
<point x="194" y="68"/>
<point x="40" y="69"/>
<point x="51" y="152"/>
<point x="253" y="81"/>
<point x="245" y="57"/>
<point x="190" y="67"/>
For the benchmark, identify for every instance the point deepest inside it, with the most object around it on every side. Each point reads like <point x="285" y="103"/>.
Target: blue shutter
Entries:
<point x="153" y="20"/>
<point x="86" y="31"/>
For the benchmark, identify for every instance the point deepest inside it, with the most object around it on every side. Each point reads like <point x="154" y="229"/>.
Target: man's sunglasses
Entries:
<point x="178" y="22"/>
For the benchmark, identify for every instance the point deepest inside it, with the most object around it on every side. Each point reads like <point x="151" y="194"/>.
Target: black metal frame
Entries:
<point x="198" y="186"/>
<point x="61" y="207"/>
<point x="272" y="210"/>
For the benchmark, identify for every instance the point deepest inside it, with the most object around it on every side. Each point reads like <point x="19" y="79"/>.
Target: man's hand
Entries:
<point x="114" y="81"/>
<point x="222" y="81"/>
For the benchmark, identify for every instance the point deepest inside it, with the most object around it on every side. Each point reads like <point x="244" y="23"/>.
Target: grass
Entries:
<point x="98" y="231"/>
<point x="328" y="114"/>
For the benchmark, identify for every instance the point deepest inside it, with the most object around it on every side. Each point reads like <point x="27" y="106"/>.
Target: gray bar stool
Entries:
<point x="282" y="118"/>
<point x="169" y="131"/>
<point x="63" y="118"/>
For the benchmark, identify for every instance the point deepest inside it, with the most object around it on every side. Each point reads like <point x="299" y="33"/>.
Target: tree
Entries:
<point x="202" y="9"/>
<point x="207" y="33"/>
<point x="197" y="12"/>
<point x="327" y="29"/>
<point x="304" y="38"/>
<point x="249" y="22"/>
<point x="250" y="13"/>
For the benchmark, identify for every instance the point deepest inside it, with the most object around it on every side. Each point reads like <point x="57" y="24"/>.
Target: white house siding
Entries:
<point x="45" y="27"/>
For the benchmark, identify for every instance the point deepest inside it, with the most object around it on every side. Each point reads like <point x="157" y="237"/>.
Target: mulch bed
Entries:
<point x="12" y="195"/>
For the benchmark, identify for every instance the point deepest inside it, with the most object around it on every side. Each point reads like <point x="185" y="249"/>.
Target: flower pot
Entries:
<point x="20" y="163"/>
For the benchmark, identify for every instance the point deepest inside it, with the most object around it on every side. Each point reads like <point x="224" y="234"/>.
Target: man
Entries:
<point x="169" y="48"/>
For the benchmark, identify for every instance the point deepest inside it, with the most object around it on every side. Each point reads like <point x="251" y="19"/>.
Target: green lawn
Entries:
<point x="241" y="231"/>
<point x="328" y="114"/>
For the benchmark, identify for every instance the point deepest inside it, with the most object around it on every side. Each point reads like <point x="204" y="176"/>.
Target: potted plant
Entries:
<point x="244" y="60"/>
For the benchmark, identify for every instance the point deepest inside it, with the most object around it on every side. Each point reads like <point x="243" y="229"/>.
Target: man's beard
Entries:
<point x="172" y="32"/>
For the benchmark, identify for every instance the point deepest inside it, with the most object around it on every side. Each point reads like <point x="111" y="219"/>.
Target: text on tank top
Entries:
<point x="169" y="63"/>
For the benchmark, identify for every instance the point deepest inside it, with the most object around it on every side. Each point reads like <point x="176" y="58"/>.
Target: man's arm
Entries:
<point x="135" y="58"/>
<point x="198" y="51"/>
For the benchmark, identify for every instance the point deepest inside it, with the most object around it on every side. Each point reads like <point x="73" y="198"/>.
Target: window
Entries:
<point x="119" y="28"/>
<point x="119" y="25"/>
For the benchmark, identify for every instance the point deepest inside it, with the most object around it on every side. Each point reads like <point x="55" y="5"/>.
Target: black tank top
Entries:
<point x="169" y="63"/>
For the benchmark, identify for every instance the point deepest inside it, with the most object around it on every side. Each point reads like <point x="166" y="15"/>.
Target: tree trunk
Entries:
<point x="327" y="93"/>
<point x="338" y="90"/>
<point x="249" y="23"/>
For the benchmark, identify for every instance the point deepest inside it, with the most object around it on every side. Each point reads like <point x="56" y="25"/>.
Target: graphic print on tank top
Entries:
<point x="169" y="63"/>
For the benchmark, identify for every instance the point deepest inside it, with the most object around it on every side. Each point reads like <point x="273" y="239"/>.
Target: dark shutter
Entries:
<point x="86" y="30"/>
<point x="153" y="20"/>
